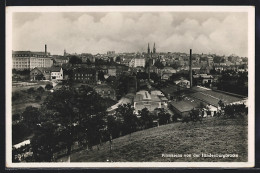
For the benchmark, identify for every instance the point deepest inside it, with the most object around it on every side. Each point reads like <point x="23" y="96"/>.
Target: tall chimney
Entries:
<point x="45" y="49"/>
<point x="190" y="68"/>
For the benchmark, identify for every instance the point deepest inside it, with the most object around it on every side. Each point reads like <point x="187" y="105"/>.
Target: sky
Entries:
<point x="222" y="33"/>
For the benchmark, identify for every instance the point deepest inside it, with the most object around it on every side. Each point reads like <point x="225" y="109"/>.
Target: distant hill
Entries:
<point x="213" y="135"/>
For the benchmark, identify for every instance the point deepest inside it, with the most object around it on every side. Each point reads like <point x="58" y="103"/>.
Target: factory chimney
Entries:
<point x="190" y="68"/>
<point x="45" y="49"/>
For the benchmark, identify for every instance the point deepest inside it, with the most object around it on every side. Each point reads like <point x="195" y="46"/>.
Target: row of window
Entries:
<point x="83" y="74"/>
<point x="24" y="55"/>
<point x="82" y="78"/>
<point x="19" y="66"/>
<point x="103" y="92"/>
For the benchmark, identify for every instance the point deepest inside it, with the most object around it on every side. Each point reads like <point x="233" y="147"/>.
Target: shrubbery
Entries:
<point x="48" y="87"/>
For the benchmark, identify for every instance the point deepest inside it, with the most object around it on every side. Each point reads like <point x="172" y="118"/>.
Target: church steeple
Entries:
<point x="148" y="49"/>
<point x="154" y="49"/>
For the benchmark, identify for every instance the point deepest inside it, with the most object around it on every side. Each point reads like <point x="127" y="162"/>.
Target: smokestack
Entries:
<point x="190" y="68"/>
<point x="45" y="49"/>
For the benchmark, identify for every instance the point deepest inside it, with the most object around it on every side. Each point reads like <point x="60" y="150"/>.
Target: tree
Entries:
<point x="195" y="115"/>
<point x="113" y="126"/>
<point x="62" y="104"/>
<point x="88" y="62"/>
<point x="48" y="86"/>
<point x="31" y="116"/>
<point x="38" y="98"/>
<point x="75" y="60"/>
<point x="130" y="121"/>
<point x="45" y="142"/>
<point x="164" y="117"/>
<point x="101" y="76"/>
<point x="31" y="90"/>
<point x="118" y="59"/>
<point x="154" y="77"/>
<point x="158" y="64"/>
<point x="146" y="118"/>
<point x="142" y="75"/>
<point x="40" y="89"/>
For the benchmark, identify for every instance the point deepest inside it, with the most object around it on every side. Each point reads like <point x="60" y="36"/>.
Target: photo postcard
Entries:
<point x="130" y="86"/>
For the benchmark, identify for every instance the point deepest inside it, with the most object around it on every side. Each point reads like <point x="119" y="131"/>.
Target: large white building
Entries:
<point x="139" y="62"/>
<point x="29" y="60"/>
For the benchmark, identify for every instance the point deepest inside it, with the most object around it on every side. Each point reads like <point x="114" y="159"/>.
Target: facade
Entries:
<point x="56" y="73"/>
<point x="106" y="91"/>
<point x="85" y="75"/>
<point x="139" y="62"/>
<point x="37" y="71"/>
<point x="29" y="60"/>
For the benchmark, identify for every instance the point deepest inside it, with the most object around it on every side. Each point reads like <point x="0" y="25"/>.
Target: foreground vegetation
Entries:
<point x="213" y="135"/>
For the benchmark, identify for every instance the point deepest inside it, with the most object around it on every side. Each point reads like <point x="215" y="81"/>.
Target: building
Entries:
<point x="51" y="73"/>
<point x="182" y="108"/>
<point x="182" y="83"/>
<point x="85" y="75"/>
<point x="111" y="71"/>
<point x="22" y="60"/>
<point x="202" y="79"/>
<point x="59" y="60"/>
<point x="143" y="99"/>
<point x="56" y="73"/>
<point x="105" y="91"/>
<point x="40" y="71"/>
<point x="139" y="62"/>
<point x="85" y="57"/>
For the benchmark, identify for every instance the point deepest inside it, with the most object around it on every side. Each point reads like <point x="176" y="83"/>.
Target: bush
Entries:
<point x="16" y="117"/>
<point x="38" y="98"/>
<point x="16" y="96"/>
<point x="48" y="86"/>
<point x="40" y="89"/>
<point x="31" y="90"/>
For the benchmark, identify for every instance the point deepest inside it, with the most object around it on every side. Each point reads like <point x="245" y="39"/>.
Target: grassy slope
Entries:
<point x="213" y="135"/>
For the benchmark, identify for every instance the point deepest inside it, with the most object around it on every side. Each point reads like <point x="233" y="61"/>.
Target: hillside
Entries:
<point x="213" y="135"/>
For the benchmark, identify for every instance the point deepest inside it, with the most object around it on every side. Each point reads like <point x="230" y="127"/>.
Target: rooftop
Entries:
<point x="182" y="106"/>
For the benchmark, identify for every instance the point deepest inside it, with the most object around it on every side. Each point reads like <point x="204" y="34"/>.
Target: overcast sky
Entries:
<point x="220" y="33"/>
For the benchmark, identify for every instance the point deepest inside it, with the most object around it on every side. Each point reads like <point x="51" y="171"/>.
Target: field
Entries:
<point x="212" y="136"/>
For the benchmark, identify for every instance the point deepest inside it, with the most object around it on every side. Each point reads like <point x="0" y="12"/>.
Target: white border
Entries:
<point x="251" y="82"/>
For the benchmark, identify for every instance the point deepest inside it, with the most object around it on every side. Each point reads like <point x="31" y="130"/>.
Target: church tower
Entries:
<point x="148" y="49"/>
<point x="154" y="49"/>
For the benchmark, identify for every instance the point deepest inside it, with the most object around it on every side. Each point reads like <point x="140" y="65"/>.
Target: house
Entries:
<point x="167" y="73"/>
<point x="182" y="108"/>
<point x="85" y="75"/>
<point x="210" y="98"/>
<point x="56" y="73"/>
<point x="52" y="73"/>
<point x="34" y="73"/>
<point x="105" y="91"/>
<point x="202" y="79"/>
<point x="182" y="83"/>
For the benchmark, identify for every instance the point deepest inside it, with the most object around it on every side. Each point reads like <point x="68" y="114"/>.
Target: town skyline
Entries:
<point x="214" y="33"/>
